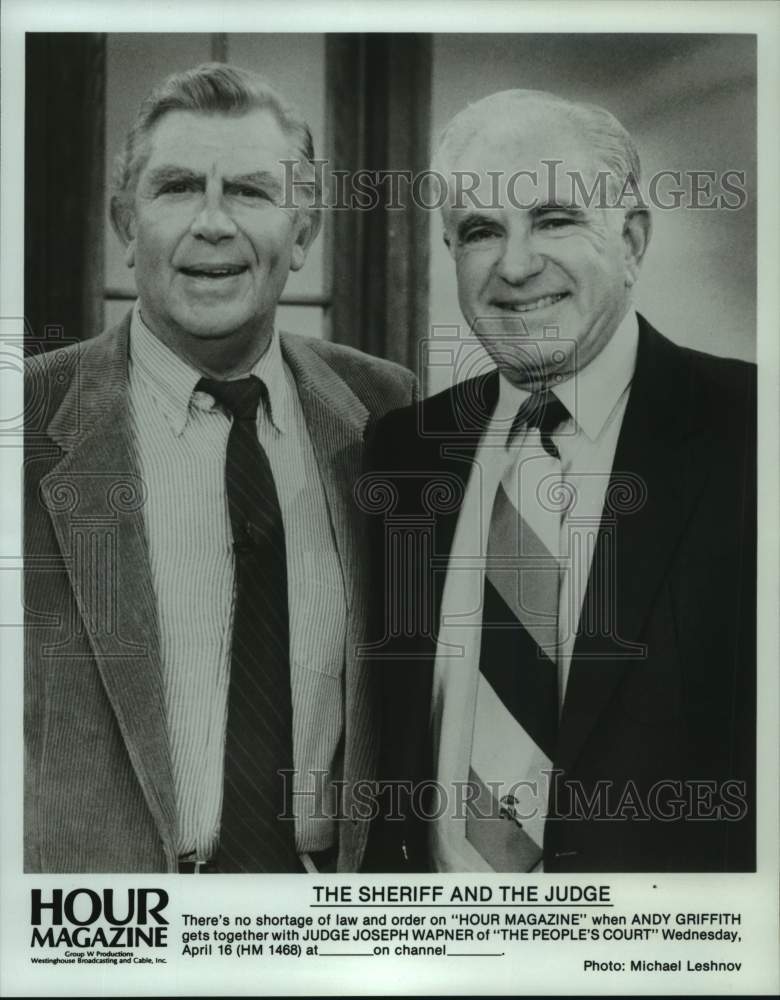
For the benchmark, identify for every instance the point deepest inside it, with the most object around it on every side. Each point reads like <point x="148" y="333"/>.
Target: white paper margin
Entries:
<point x="755" y="895"/>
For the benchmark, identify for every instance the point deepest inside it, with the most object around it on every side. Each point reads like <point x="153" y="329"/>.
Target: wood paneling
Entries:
<point x="64" y="183"/>
<point x="378" y="119"/>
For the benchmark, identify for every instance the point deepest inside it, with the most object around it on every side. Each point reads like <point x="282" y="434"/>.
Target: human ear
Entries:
<point x="309" y="222"/>
<point x="448" y="243"/>
<point x="637" y="229"/>
<point x="123" y="223"/>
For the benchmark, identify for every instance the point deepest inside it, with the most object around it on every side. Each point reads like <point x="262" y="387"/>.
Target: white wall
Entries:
<point x="689" y="103"/>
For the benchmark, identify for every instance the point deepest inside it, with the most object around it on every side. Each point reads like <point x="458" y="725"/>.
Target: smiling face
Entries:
<point x="211" y="245"/>
<point x="543" y="279"/>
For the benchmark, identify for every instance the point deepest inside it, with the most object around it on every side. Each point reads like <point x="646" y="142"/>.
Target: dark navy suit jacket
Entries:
<point x="655" y="765"/>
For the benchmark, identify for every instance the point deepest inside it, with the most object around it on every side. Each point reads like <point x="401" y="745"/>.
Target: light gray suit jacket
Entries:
<point x="99" y="793"/>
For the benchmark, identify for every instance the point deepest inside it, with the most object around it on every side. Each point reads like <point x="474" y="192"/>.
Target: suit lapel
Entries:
<point x="660" y="469"/>
<point x="336" y="419"/>
<point x="95" y="496"/>
<point x="427" y="458"/>
<point x="456" y="422"/>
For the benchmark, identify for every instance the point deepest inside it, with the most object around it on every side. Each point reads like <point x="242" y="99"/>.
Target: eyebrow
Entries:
<point x="475" y="219"/>
<point x="170" y="172"/>
<point x="478" y="219"/>
<point x="262" y="178"/>
<point x="557" y="206"/>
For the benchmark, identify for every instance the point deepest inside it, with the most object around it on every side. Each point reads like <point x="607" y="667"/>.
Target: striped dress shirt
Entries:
<point x="181" y="441"/>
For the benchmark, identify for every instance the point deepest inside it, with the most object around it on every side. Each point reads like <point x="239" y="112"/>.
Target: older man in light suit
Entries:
<point x="194" y="577"/>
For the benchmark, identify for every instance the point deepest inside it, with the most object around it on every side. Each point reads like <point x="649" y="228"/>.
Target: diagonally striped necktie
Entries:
<point x="516" y="724"/>
<point x="258" y="743"/>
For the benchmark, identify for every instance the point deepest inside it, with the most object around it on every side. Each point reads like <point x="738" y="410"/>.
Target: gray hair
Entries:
<point x="611" y="143"/>
<point x="211" y="88"/>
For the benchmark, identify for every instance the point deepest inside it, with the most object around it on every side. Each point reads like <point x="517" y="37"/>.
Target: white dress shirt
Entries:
<point x="596" y="398"/>
<point x="181" y="441"/>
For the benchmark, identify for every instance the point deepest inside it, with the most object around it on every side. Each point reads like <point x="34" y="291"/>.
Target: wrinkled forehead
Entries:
<point x="208" y="142"/>
<point x="541" y="158"/>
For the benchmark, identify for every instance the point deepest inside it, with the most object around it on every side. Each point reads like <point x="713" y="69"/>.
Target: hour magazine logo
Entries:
<point x="85" y="919"/>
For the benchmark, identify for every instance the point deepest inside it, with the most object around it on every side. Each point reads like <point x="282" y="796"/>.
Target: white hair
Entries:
<point x="506" y="110"/>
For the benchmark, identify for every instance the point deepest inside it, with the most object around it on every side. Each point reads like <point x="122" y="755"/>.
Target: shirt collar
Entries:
<point x="173" y="380"/>
<point x="270" y="370"/>
<point x="591" y="394"/>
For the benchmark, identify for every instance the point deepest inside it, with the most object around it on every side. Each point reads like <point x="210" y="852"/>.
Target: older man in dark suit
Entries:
<point x="567" y="542"/>
<point x="195" y="588"/>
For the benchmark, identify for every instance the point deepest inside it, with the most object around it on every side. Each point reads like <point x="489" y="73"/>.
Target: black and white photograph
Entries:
<point x="390" y="507"/>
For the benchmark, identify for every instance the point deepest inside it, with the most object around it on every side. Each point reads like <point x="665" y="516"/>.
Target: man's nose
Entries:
<point x="213" y="222"/>
<point x="519" y="259"/>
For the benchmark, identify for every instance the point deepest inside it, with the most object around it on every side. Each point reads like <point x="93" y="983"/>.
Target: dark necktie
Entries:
<point x="258" y="743"/>
<point x="545" y="411"/>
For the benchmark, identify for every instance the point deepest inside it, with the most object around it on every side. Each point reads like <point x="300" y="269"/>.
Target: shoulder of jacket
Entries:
<point x="349" y="359"/>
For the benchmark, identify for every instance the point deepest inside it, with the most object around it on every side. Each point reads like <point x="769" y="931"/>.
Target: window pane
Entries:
<point x="114" y="310"/>
<point x="308" y="320"/>
<point x="296" y="65"/>
<point x="134" y="64"/>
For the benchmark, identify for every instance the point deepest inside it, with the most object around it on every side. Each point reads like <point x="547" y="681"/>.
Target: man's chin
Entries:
<point x="199" y="338"/>
<point x="530" y="359"/>
<point x="211" y="333"/>
<point x="534" y="378"/>
<point x="216" y="325"/>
